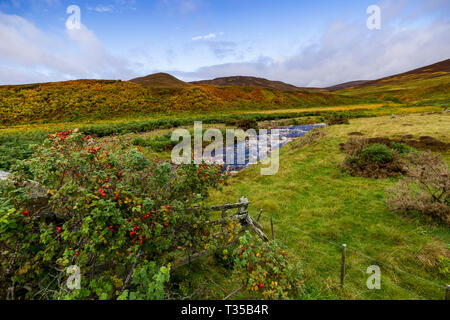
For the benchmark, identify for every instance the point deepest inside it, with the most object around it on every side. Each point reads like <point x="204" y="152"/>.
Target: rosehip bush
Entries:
<point x="266" y="268"/>
<point x="120" y="218"/>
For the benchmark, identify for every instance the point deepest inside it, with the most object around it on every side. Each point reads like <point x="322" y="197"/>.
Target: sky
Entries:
<point x="306" y="43"/>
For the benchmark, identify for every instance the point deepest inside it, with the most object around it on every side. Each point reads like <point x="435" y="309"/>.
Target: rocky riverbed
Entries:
<point x="286" y="135"/>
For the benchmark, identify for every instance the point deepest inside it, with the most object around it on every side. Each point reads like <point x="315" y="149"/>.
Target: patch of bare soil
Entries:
<point x="423" y="143"/>
<point x="356" y="133"/>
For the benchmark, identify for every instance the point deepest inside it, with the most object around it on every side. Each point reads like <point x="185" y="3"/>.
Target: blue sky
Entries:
<point x="307" y="43"/>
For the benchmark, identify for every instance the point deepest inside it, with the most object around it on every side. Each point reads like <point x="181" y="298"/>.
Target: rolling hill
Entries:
<point x="345" y="85"/>
<point x="161" y="79"/>
<point x="429" y="85"/>
<point x="80" y="100"/>
<point x="242" y="81"/>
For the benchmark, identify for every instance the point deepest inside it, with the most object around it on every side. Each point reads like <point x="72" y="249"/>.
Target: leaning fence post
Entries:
<point x="344" y="252"/>
<point x="259" y="215"/>
<point x="271" y="226"/>
<point x="447" y="292"/>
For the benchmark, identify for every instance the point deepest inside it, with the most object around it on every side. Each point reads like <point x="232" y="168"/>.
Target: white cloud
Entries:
<point x="205" y="37"/>
<point x="115" y="6"/>
<point x="346" y="52"/>
<point x="102" y="9"/>
<point x="220" y="49"/>
<point x="26" y="53"/>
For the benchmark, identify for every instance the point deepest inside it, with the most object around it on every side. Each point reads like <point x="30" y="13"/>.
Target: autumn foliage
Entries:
<point x="101" y="99"/>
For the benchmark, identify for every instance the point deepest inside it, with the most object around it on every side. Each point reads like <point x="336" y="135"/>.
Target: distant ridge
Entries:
<point x="167" y="80"/>
<point x="346" y="85"/>
<point x="244" y="81"/>
<point x="159" y="80"/>
<point x="441" y="68"/>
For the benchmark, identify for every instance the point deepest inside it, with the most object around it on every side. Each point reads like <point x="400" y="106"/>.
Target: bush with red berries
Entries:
<point x="120" y="218"/>
<point x="267" y="270"/>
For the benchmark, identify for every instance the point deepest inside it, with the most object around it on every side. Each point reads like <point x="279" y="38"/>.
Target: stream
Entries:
<point x="286" y="135"/>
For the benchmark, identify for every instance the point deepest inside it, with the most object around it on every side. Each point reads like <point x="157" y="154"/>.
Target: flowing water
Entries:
<point x="286" y="135"/>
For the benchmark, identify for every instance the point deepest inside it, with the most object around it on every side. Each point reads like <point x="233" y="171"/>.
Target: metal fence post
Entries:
<point x="344" y="252"/>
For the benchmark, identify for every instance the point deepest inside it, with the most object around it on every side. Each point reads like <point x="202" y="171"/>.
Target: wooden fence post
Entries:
<point x="271" y="225"/>
<point x="447" y="292"/>
<point x="344" y="252"/>
<point x="259" y="215"/>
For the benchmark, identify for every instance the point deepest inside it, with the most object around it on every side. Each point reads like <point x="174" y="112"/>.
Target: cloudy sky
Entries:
<point x="306" y="43"/>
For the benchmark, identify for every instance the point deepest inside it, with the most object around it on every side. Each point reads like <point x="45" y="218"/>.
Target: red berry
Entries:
<point x="25" y="212"/>
<point x="77" y="253"/>
<point x="59" y="229"/>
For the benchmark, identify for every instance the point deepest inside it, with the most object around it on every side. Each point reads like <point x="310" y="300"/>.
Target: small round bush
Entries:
<point x="378" y="153"/>
<point x="337" y="119"/>
<point x="246" y="124"/>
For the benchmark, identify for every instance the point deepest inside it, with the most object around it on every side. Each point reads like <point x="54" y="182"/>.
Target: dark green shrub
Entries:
<point x="373" y="160"/>
<point x="17" y="147"/>
<point x="162" y="143"/>
<point x="158" y="143"/>
<point x="378" y="153"/>
<point x="337" y="119"/>
<point x="392" y="99"/>
<point x="139" y="142"/>
<point x="246" y="124"/>
<point x="401" y="147"/>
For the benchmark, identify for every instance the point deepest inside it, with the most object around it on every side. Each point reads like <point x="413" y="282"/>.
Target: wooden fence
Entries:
<point x="247" y="222"/>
